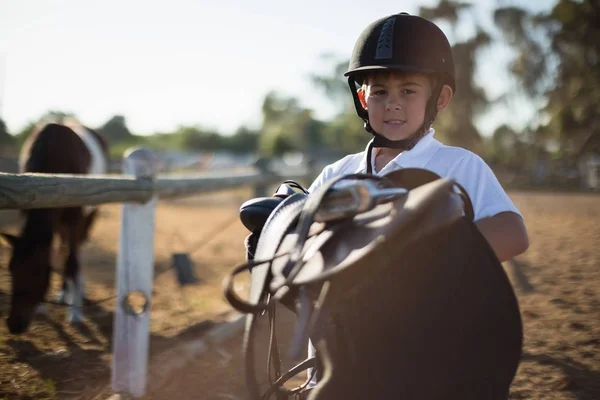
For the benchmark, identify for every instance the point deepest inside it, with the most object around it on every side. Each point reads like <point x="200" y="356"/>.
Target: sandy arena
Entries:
<point x="557" y="282"/>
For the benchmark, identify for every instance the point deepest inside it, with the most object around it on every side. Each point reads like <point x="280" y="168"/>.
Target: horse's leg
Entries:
<point x="72" y="268"/>
<point x="63" y="251"/>
<point x="89" y="216"/>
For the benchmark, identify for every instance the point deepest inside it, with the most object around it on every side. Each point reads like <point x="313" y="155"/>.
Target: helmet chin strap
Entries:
<point x="404" y="144"/>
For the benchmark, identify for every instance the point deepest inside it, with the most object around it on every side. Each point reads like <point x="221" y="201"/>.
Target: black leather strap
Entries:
<point x="310" y="362"/>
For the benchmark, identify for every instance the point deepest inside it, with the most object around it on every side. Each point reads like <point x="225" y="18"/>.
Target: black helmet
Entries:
<point x="402" y="42"/>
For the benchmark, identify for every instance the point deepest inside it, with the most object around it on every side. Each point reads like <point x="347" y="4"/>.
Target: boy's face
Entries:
<point x="396" y="103"/>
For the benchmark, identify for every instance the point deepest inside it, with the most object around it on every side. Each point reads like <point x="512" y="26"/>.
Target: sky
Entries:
<point x="162" y="64"/>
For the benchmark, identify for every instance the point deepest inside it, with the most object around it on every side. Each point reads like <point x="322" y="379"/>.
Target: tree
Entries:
<point x="25" y="132"/>
<point x="505" y="148"/>
<point x="244" y="140"/>
<point x="287" y="126"/>
<point x="194" y="138"/>
<point x="275" y="143"/>
<point x="345" y="133"/>
<point x="334" y="85"/>
<point x="447" y="10"/>
<point x="558" y="60"/>
<point x="115" y="130"/>
<point x="6" y="139"/>
<point x="456" y="125"/>
<point x="49" y="116"/>
<point x="55" y="116"/>
<point x="529" y="65"/>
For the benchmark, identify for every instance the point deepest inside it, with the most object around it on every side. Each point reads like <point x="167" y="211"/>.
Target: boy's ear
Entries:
<point x="444" y="98"/>
<point x="361" y="97"/>
<point x="7" y="239"/>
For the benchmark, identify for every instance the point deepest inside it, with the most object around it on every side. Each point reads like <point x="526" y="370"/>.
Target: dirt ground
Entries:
<point x="557" y="282"/>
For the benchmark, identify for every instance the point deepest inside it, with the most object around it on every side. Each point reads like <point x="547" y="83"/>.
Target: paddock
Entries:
<point x="557" y="282"/>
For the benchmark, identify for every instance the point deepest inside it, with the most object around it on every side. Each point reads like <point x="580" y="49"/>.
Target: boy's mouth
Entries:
<point x="394" y="121"/>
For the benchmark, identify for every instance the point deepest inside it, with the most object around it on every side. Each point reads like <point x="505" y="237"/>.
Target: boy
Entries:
<point x="405" y="69"/>
<point x="401" y="74"/>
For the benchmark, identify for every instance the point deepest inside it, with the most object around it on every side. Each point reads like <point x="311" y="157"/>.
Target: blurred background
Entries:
<point x="225" y="85"/>
<point x="218" y="85"/>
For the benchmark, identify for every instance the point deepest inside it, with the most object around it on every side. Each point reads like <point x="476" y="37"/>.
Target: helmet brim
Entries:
<point x="393" y="67"/>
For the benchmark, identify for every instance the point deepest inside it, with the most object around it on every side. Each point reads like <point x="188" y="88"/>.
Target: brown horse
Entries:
<point x="68" y="148"/>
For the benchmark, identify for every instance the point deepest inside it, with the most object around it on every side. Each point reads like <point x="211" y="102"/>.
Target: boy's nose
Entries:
<point x="393" y="106"/>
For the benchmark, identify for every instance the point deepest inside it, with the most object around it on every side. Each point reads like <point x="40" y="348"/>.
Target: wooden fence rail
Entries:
<point x="25" y="191"/>
<point x="138" y="189"/>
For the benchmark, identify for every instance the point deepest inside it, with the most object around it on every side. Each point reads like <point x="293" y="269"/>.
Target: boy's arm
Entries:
<point x="496" y="216"/>
<point x="506" y="234"/>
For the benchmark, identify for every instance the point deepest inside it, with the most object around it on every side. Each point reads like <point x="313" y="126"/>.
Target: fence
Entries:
<point x="139" y="189"/>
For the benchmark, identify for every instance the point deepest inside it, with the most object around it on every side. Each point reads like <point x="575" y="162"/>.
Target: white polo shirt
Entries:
<point x="467" y="168"/>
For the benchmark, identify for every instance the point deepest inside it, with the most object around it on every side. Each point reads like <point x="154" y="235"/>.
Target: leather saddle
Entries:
<point x="317" y="252"/>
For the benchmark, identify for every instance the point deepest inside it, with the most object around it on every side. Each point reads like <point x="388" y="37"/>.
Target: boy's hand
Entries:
<point x="506" y="234"/>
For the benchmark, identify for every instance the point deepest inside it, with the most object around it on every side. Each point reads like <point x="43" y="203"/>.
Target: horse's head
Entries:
<point x="30" y="271"/>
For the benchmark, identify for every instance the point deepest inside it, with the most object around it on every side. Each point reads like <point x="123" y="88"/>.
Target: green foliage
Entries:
<point x="287" y="126"/>
<point x="50" y="116"/>
<point x="55" y="116"/>
<point x="116" y="150"/>
<point x="556" y="65"/>
<point x="519" y="31"/>
<point x="275" y="143"/>
<point x="508" y="149"/>
<point x="565" y="41"/>
<point x="446" y="10"/>
<point x="334" y="85"/>
<point x="456" y="124"/>
<point x="194" y="138"/>
<point x="115" y="129"/>
<point x="346" y="132"/>
<point x="244" y="140"/>
<point x="190" y="138"/>
<point x="5" y="138"/>
<point x="574" y="102"/>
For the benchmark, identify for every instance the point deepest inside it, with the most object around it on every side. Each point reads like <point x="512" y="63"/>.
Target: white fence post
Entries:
<point x="135" y="270"/>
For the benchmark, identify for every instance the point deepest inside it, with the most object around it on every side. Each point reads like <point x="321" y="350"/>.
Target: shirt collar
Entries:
<point x="421" y="152"/>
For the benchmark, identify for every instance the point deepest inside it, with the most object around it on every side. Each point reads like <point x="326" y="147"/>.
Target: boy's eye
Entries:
<point x="379" y="92"/>
<point x="408" y="91"/>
